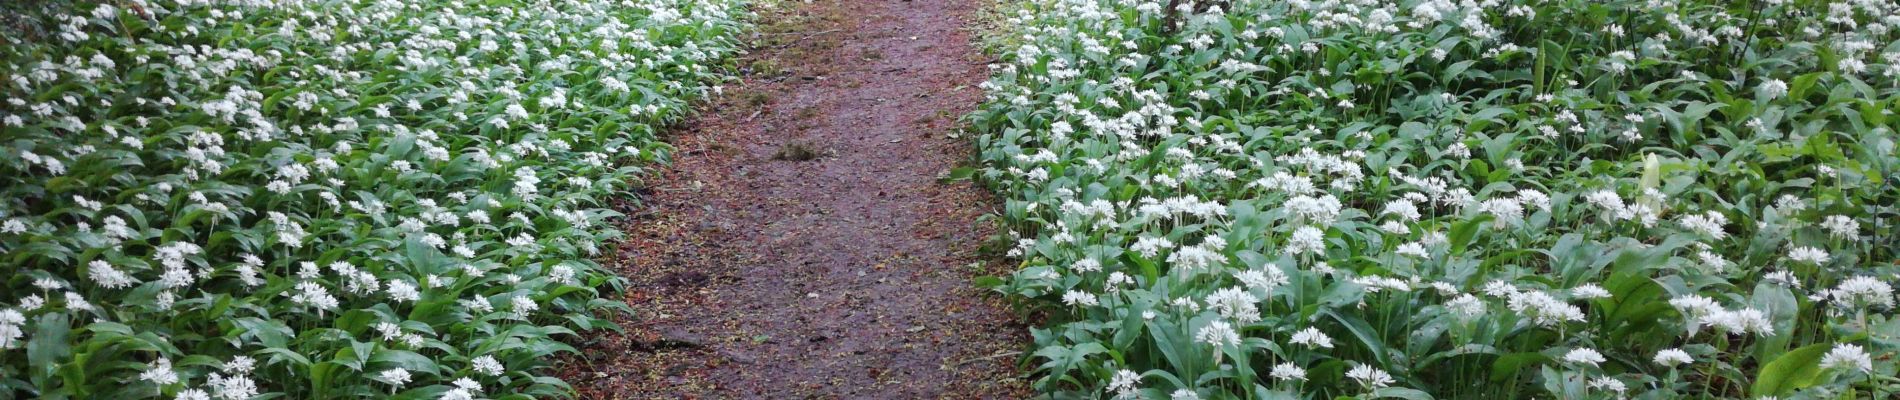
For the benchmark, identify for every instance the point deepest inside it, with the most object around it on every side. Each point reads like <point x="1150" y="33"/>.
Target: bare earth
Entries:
<point x="758" y="273"/>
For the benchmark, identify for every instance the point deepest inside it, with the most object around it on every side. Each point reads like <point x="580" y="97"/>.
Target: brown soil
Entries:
<point x="801" y="244"/>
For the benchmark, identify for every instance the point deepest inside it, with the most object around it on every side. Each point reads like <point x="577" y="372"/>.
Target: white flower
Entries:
<point x="1402" y="208"/>
<point x="289" y="233"/>
<point x="390" y="331"/>
<point x="478" y="304"/>
<point x="1079" y="298"/>
<point x="76" y="302"/>
<point x="1619" y="62"/>
<point x="1673" y="357"/>
<point x="239" y="365"/>
<point x="1543" y="309"/>
<point x="411" y="339"/>
<point x="31" y="302"/>
<point x="1288" y="372"/>
<point x="13" y="226"/>
<point x="234" y="387"/>
<point x="10" y="328"/>
<point x="562" y="274"/>
<point x="1507" y="211"/>
<point x="1743" y="321"/>
<point x="465" y="383"/>
<point x="1712" y="261"/>
<point x="1196" y="258"/>
<point x="1789" y="203"/>
<point x="159" y="372"/>
<point x="1695" y="308"/>
<point x="314" y="295"/>
<point x="1841" y="227"/>
<point x="1589" y="291"/>
<point x="1375" y="284"/>
<point x="459" y="393"/>
<point x="1125" y="383"/>
<point x="1608" y="383"/>
<point x="515" y="111"/>
<point x="523" y="306"/>
<point x="1306" y="239"/>
<point x="1773" y="89"/>
<point x="1783" y="278"/>
<point x="1323" y="269"/>
<point x="1151" y="246"/>
<point x="395" y="377"/>
<point x="1369" y="377"/>
<point x="403" y="291"/>
<point x="1265" y="279"/>
<point x="1184" y="394"/>
<point x="1808" y="255"/>
<point x="1465" y="306"/>
<point x="1236" y="304"/>
<point x="1086" y="265"/>
<point x="1317" y="210"/>
<point x="1499" y="288"/>
<point x="1116" y="280"/>
<point x="1534" y="198"/>
<point x="1862" y="291"/>
<point x="1217" y="334"/>
<point x="193" y="394"/>
<point x="1312" y="337"/>
<point x="103" y="274"/>
<point x="1395" y="227"/>
<point x="1707" y="224"/>
<point x="1611" y="203"/>
<point x="1413" y="249"/>
<point x="1584" y="355"/>
<point x="487" y="365"/>
<point x="1848" y="356"/>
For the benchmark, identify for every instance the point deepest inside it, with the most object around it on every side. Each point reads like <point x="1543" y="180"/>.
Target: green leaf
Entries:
<point x="1456" y="69"/>
<point x="1463" y="232"/>
<point x="1368" y="337"/>
<point x="1401" y="393"/>
<point x="49" y="345"/>
<point x="321" y="375"/>
<point x="959" y="174"/>
<point x="409" y="360"/>
<point x="1793" y="370"/>
<point x="1509" y="365"/>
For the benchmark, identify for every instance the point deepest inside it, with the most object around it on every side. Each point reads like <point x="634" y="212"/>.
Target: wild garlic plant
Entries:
<point x="313" y="199"/>
<point x="1452" y="199"/>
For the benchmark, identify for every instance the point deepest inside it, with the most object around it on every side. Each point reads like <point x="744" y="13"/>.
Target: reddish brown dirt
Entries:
<point x="756" y="275"/>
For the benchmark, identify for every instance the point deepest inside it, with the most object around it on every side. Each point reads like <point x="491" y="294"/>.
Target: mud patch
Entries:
<point x="797" y="151"/>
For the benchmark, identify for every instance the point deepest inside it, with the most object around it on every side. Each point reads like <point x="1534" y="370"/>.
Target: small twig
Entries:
<point x="988" y="357"/>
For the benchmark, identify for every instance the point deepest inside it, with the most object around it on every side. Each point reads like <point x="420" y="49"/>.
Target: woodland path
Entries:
<point x="801" y="244"/>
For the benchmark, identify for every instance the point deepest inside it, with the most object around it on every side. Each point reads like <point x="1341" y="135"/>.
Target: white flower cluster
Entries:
<point x="323" y="183"/>
<point x="1353" y="186"/>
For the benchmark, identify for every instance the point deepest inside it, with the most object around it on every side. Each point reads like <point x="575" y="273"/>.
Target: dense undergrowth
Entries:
<point x="317" y="199"/>
<point x="1452" y="199"/>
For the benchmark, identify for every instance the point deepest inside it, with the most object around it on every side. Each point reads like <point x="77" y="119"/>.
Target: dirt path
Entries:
<point x="760" y="273"/>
